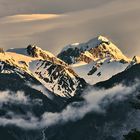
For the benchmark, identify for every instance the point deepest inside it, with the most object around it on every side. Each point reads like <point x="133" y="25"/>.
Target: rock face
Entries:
<point x="135" y="60"/>
<point x="96" y="60"/>
<point x="49" y="70"/>
<point x="95" y="49"/>
<point x="1" y="50"/>
<point x="59" y="79"/>
<point x="36" y="52"/>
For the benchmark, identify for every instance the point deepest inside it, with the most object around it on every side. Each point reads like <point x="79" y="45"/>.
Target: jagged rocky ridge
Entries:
<point x="96" y="60"/>
<point x="52" y="72"/>
<point x="95" y="49"/>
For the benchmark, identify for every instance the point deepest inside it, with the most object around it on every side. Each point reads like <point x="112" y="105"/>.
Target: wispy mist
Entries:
<point x="16" y="98"/>
<point x="96" y="100"/>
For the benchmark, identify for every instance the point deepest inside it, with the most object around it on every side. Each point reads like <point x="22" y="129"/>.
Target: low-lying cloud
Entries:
<point x="7" y="97"/>
<point x="18" y="98"/>
<point x="93" y="101"/>
<point x="96" y="100"/>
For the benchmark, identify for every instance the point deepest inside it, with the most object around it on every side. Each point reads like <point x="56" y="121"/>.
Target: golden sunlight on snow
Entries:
<point x="16" y="57"/>
<point x="20" y="57"/>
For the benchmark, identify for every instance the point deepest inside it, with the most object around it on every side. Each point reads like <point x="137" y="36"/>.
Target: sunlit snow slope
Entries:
<point x="52" y="72"/>
<point x="96" y="60"/>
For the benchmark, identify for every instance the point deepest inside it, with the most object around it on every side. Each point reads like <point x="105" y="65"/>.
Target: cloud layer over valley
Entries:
<point x="95" y="101"/>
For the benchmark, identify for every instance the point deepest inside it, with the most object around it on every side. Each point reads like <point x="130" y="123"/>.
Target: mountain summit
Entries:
<point x="49" y="70"/>
<point x="96" y="60"/>
<point x="95" y="49"/>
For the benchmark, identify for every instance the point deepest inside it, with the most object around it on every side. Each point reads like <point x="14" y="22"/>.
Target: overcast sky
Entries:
<point x="73" y="21"/>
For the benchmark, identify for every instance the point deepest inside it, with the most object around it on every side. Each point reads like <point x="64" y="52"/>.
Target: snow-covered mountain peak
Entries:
<point x="32" y="51"/>
<point x="87" y="45"/>
<point x="98" y="40"/>
<point x="96" y="60"/>
<point x="49" y="70"/>
<point x="36" y="52"/>
<point x="103" y="38"/>
<point x="101" y="47"/>
<point x="93" y="50"/>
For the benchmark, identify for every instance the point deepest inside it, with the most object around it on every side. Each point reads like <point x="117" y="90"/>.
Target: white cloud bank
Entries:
<point x="17" y="98"/>
<point x="75" y="111"/>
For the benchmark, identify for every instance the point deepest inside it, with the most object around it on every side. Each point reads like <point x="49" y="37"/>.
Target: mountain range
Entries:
<point x="34" y="82"/>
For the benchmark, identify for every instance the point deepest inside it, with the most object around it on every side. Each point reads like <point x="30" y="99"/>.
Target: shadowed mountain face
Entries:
<point x="120" y="117"/>
<point x="49" y="70"/>
<point x="120" y="113"/>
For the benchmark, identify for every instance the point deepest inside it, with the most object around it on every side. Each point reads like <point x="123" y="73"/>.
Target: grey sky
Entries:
<point x="79" y="21"/>
<point x="10" y="7"/>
